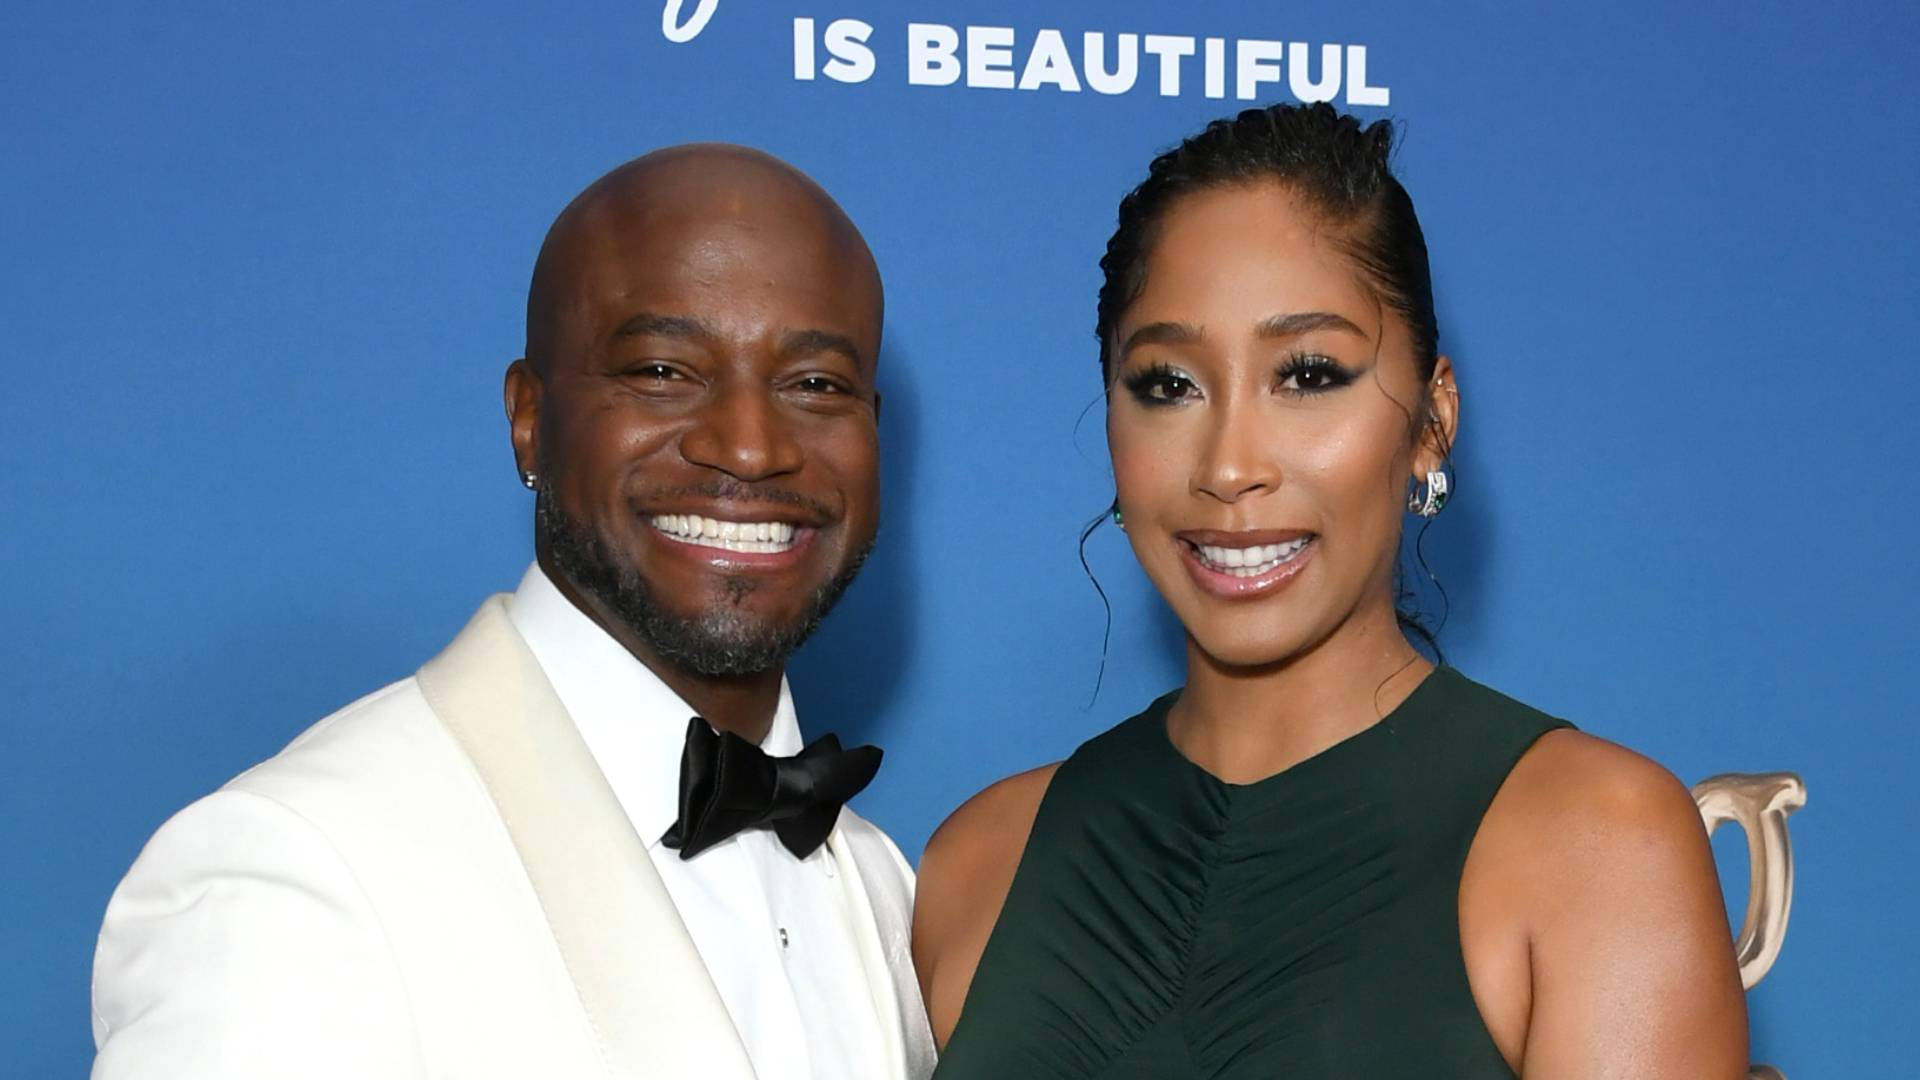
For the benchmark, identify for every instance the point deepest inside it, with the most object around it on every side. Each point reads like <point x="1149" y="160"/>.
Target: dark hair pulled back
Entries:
<point x="1339" y="167"/>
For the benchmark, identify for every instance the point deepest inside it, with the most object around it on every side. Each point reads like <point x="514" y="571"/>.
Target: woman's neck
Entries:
<point x="1243" y="724"/>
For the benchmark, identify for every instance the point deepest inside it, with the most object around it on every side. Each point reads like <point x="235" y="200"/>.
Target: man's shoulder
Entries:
<point x="363" y="730"/>
<point x="382" y="754"/>
<point x="371" y="716"/>
<point x="379" y="791"/>
<point x="874" y="849"/>
<point x="390" y="741"/>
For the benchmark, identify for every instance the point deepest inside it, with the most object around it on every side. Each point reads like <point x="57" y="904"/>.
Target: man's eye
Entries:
<point x="820" y="384"/>
<point x="657" y="372"/>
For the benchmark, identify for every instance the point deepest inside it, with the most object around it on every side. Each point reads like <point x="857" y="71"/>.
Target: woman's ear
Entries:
<point x="1435" y="442"/>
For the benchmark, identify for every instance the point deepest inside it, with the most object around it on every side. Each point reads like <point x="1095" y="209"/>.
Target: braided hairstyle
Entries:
<point x="1341" y="170"/>
<point x="1325" y="156"/>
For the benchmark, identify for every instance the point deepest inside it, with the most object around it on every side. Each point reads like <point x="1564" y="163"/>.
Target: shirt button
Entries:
<point x="783" y="937"/>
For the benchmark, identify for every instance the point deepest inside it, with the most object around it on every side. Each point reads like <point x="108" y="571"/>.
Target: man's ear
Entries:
<point x="523" y="392"/>
<point x="1442" y="426"/>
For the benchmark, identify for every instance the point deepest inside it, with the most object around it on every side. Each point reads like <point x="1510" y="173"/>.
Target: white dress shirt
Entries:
<point x="774" y="931"/>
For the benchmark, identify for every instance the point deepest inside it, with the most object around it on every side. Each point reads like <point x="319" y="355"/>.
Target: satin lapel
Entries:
<point x="646" y="993"/>
<point x="884" y="937"/>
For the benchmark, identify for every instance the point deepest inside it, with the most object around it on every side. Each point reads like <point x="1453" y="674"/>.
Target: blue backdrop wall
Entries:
<point x="263" y="266"/>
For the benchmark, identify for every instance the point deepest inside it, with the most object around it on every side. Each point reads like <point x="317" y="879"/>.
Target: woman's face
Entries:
<point x="1260" y="420"/>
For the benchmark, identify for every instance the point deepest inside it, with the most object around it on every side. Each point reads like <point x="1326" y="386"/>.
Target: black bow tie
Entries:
<point x="728" y="784"/>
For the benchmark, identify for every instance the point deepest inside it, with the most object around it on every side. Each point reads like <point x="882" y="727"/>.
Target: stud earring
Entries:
<point x="1119" y="521"/>
<point x="1428" y="499"/>
<point x="528" y="480"/>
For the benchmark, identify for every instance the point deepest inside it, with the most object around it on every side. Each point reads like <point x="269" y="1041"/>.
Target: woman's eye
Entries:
<point x="1160" y="386"/>
<point x="1312" y="375"/>
<point x="1166" y="388"/>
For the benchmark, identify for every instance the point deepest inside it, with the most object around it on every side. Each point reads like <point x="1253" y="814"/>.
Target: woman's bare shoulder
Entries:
<point x="1578" y="811"/>
<point x="965" y="874"/>
<point x="971" y="857"/>
<point x="980" y="827"/>
<point x="1596" y="796"/>
<point x="1606" y="869"/>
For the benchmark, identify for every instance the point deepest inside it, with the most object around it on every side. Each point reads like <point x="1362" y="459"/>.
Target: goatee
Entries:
<point x="721" y="641"/>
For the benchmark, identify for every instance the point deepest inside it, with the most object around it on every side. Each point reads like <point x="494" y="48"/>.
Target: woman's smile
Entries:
<point x="1244" y="565"/>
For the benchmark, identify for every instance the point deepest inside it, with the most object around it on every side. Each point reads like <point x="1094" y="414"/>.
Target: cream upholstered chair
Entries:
<point x="1759" y="803"/>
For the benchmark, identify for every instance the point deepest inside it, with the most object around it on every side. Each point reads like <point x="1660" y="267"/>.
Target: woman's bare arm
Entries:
<point x="964" y="877"/>
<point x="1607" y="864"/>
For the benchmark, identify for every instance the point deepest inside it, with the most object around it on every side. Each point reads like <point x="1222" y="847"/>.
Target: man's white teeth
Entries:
<point x="1252" y="561"/>
<point x="759" y="537"/>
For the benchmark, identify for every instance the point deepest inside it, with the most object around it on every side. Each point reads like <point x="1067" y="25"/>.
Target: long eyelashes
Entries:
<point x="1307" y="374"/>
<point x="1299" y="375"/>
<point x="1159" y="384"/>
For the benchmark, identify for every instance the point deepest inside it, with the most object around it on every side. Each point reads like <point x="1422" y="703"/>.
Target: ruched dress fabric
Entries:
<point x="1166" y="924"/>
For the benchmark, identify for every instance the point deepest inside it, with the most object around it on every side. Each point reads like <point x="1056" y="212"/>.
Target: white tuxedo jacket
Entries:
<point x="436" y="881"/>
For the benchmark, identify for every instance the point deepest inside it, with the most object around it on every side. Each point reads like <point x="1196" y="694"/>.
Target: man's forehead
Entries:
<point x="665" y="241"/>
<point x="643" y="301"/>
<point x="696" y="188"/>
<point x="702" y="232"/>
<point x="721" y="271"/>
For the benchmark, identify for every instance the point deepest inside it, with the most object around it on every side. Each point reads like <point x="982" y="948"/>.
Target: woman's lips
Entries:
<point x="1236" y="566"/>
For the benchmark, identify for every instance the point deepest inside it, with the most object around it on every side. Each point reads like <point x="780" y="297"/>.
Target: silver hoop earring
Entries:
<point x="1428" y="499"/>
<point x="528" y="480"/>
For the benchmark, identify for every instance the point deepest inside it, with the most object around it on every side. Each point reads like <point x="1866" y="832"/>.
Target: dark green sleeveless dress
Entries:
<point x="1165" y="924"/>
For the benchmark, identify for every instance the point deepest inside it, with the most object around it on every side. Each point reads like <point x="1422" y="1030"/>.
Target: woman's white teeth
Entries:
<point x="761" y="537"/>
<point x="1251" y="561"/>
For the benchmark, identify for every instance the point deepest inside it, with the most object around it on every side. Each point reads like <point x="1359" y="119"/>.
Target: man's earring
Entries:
<point x="528" y="480"/>
<point x="1118" y="520"/>
<point x="1428" y="499"/>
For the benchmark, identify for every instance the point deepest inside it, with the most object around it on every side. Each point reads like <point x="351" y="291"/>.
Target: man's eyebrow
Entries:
<point x="676" y="326"/>
<point x="1302" y="322"/>
<point x="1162" y="333"/>
<point x="819" y="341"/>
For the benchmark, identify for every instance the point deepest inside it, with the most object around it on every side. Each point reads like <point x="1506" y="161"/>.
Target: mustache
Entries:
<point x="735" y="491"/>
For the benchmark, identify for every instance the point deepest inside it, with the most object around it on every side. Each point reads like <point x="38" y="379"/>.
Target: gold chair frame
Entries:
<point x="1760" y="804"/>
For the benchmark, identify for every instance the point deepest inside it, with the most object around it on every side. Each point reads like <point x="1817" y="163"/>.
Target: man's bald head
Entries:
<point x="649" y="214"/>
<point x="697" y="412"/>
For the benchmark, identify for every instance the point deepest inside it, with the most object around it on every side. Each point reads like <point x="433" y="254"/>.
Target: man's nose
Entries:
<point x="742" y="431"/>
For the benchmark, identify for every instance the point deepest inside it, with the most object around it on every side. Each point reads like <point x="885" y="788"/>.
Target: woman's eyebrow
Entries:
<point x="1302" y="322"/>
<point x="1162" y="333"/>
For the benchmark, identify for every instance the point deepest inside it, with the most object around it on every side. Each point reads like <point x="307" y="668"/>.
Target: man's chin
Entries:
<point x="725" y="625"/>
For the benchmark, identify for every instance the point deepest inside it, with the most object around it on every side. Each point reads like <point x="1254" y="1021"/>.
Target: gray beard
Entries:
<point x="721" y="641"/>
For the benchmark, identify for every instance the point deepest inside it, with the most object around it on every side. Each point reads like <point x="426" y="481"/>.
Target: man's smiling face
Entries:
<point x="699" y="406"/>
